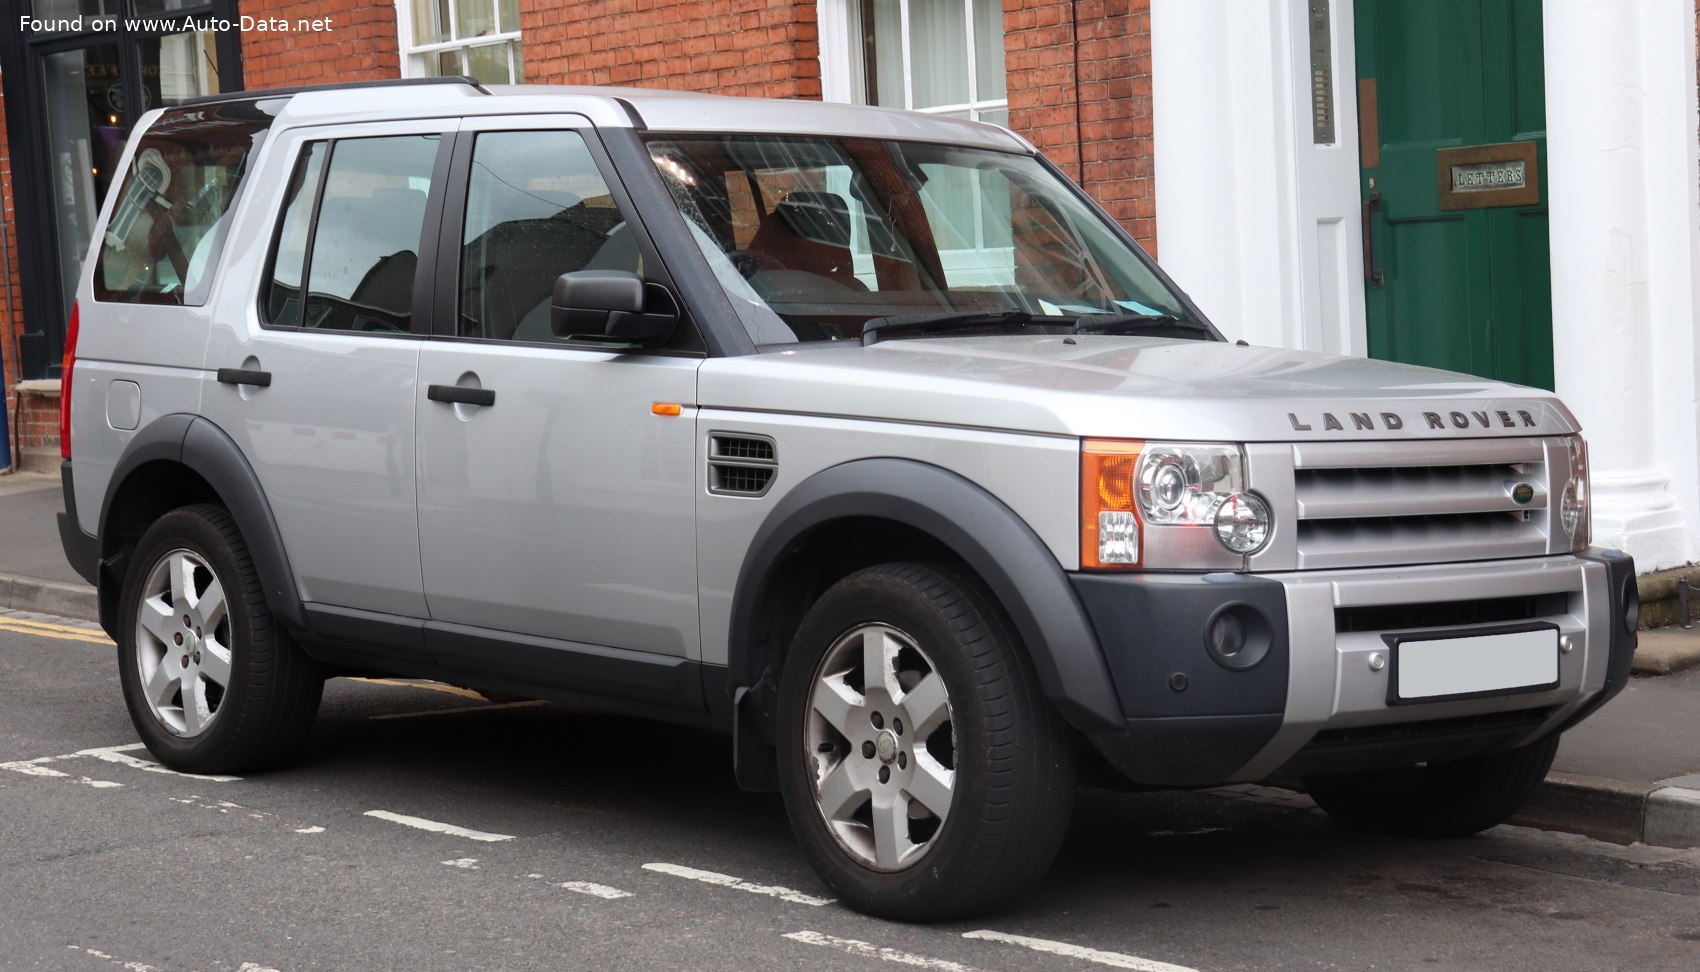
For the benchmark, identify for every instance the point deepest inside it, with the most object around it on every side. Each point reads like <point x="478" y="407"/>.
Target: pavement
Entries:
<point x="1628" y="774"/>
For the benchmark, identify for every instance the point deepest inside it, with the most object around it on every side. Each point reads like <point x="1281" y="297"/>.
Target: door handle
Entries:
<point x="1372" y="274"/>
<point x="456" y="395"/>
<point x="244" y="376"/>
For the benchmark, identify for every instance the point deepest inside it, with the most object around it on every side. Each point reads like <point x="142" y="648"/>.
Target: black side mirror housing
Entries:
<point x="611" y="307"/>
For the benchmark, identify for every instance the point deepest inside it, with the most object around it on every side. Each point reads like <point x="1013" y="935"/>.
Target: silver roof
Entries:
<point x="650" y="108"/>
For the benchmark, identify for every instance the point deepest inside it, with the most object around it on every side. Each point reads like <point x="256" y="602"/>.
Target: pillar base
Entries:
<point x="1637" y="513"/>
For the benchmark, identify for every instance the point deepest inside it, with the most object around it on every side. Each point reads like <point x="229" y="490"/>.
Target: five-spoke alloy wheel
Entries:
<point x="923" y="771"/>
<point x="211" y="682"/>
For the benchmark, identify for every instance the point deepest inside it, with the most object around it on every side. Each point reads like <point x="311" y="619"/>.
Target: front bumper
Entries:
<point x="1312" y="703"/>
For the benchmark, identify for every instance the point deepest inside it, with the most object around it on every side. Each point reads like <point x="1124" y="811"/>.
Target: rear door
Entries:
<point x="317" y="370"/>
<point x="557" y="518"/>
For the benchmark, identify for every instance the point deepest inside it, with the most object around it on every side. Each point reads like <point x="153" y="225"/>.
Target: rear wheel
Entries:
<point x="212" y="684"/>
<point x="1454" y="798"/>
<point x="923" y="770"/>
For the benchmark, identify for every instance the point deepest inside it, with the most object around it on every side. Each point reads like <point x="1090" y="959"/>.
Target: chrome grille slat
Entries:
<point x="1334" y="494"/>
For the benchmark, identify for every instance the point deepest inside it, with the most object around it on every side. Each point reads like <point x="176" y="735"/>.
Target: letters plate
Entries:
<point x="1475" y="665"/>
<point x="1487" y="176"/>
<point x="1482" y="176"/>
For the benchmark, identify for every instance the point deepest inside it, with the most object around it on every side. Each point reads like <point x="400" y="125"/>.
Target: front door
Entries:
<point x="561" y="504"/>
<point x="1452" y="130"/>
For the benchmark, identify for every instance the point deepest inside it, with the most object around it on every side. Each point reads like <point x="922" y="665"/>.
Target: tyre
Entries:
<point x="212" y="683"/>
<point x="1454" y="798"/>
<point x="924" y="773"/>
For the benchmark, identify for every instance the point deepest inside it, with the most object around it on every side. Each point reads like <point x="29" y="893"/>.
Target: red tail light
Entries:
<point x="67" y="364"/>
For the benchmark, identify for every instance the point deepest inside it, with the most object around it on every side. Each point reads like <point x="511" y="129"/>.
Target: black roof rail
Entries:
<point x="214" y="99"/>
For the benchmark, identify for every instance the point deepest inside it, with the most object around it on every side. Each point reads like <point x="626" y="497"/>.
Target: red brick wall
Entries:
<point x="10" y="324"/>
<point x="749" y="47"/>
<point x="360" y="46"/>
<point x="1093" y="109"/>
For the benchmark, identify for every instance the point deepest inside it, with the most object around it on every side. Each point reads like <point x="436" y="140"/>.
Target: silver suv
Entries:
<point x="860" y="434"/>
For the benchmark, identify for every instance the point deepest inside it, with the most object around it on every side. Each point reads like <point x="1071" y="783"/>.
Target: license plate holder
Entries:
<point x="1472" y="663"/>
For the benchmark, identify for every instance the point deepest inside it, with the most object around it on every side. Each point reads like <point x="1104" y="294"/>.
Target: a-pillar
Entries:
<point x="1621" y="149"/>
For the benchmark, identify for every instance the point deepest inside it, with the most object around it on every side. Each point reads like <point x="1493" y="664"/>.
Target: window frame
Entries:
<point x="298" y="143"/>
<point x="844" y="68"/>
<point x="414" y="57"/>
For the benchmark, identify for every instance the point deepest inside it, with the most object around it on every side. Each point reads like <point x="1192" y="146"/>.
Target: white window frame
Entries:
<point x="844" y="75"/>
<point x="414" y="56"/>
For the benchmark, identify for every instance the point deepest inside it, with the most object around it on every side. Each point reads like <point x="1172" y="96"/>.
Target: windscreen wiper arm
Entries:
<point x="944" y="321"/>
<point x="1133" y="323"/>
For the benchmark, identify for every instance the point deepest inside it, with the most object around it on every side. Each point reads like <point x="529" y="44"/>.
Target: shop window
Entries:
<point x="445" y="38"/>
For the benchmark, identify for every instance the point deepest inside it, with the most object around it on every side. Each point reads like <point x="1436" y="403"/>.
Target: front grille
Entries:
<point x="1449" y="614"/>
<point x="741" y="464"/>
<point x="1391" y="503"/>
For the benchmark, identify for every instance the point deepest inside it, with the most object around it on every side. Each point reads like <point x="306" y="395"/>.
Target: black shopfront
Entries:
<point x="78" y="74"/>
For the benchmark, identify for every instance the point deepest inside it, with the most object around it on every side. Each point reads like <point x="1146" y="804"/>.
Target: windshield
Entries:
<point x="814" y="238"/>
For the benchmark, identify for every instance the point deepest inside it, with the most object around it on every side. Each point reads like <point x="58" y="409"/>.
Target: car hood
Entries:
<point x="1130" y="387"/>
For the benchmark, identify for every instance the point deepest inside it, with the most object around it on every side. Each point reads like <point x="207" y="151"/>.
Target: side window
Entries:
<point x="536" y="207"/>
<point x="361" y="252"/>
<point x="168" y="226"/>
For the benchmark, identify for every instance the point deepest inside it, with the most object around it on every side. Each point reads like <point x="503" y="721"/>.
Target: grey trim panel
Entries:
<point x="81" y="550"/>
<point x="204" y="448"/>
<point x="1021" y="572"/>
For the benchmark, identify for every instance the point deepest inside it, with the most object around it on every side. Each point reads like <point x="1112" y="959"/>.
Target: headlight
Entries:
<point x="1573" y="512"/>
<point x="1167" y="505"/>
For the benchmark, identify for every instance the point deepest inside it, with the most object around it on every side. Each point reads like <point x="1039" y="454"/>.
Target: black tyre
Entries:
<point x="923" y="771"/>
<point x="212" y="683"/>
<point x="1455" y="798"/>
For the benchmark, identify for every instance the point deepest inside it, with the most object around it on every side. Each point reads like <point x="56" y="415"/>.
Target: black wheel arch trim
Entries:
<point x="205" y="449"/>
<point x="987" y="535"/>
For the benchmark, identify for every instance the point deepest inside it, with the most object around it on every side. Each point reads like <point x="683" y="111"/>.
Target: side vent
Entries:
<point x="740" y="464"/>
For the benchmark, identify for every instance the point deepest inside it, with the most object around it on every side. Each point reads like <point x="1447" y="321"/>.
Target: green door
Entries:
<point x="1453" y="119"/>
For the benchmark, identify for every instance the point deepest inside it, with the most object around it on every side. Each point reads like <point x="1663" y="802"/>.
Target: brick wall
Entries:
<point x="360" y="46"/>
<point x="34" y="435"/>
<point x="1080" y="89"/>
<point x="749" y="47"/>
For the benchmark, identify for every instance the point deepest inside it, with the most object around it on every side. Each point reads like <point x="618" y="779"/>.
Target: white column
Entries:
<point x="1622" y="192"/>
<point x="1255" y="221"/>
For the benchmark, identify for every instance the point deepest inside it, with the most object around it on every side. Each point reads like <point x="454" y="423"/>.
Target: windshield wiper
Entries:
<point x="898" y="324"/>
<point x="1134" y="323"/>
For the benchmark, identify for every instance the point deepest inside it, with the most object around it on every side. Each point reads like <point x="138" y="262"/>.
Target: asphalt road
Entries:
<point x="567" y="840"/>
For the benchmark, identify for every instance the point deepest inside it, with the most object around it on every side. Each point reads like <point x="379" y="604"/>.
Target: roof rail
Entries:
<point x="227" y="96"/>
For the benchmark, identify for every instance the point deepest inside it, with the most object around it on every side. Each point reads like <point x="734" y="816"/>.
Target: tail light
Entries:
<point x="69" y="361"/>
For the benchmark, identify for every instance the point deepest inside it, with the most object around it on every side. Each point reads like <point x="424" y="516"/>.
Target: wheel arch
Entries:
<point x="930" y="512"/>
<point x="174" y="461"/>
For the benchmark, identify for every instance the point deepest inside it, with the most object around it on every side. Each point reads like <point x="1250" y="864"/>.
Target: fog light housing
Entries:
<point x="1237" y="637"/>
<point x="1242" y="523"/>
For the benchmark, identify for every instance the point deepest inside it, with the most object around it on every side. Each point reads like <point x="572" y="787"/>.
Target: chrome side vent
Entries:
<point x="741" y="464"/>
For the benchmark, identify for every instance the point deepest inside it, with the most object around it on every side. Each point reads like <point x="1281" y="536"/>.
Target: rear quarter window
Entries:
<point x="172" y="213"/>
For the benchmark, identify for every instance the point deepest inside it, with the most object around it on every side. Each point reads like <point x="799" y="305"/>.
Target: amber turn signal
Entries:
<point x="1109" y="525"/>
<point x="666" y="408"/>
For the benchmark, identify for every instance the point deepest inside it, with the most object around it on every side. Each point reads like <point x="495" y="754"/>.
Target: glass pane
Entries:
<point x="366" y="246"/>
<point x="84" y="109"/>
<point x="995" y="116"/>
<point x="283" y="293"/>
<point x="536" y="207"/>
<point x="882" y="34"/>
<point x="989" y="81"/>
<point x="938" y="52"/>
<point x="178" y="66"/>
<point x="509" y="10"/>
<point x="488" y="63"/>
<point x="148" y="7"/>
<point x="430" y="21"/>
<point x="476" y="18"/>
<point x="169" y="222"/>
<point x="61" y="10"/>
<point x="446" y="64"/>
<point x="519" y="63"/>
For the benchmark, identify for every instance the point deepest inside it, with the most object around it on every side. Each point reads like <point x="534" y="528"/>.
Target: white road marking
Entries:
<point x="121" y="756"/>
<point x="868" y="950"/>
<point x="34" y="767"/>
<point x="254" y="967"/>
<point x="420" y="823"/>
<point x="99" y="784"/>
<point x="464" y="863"/>
<point x="459" y="710"/>
<point x="310" y="830"/>
<point x="226" y="807"/>
<point x="598" y="890"/>
<point x="97" y="953"/>
<point x="1113" y="959"/>
<point x="728" y="881"/>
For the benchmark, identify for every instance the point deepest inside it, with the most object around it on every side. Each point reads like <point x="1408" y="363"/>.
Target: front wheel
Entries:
<point x="212" y="683"/>
<point x="1451" y="798"/>
<point x="923" y="771"/>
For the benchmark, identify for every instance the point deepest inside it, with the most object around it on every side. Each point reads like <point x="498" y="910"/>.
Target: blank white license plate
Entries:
<point x="1481" y="663"/>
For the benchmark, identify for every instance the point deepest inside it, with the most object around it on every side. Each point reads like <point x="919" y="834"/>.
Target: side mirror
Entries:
<point x="611" y="307"/>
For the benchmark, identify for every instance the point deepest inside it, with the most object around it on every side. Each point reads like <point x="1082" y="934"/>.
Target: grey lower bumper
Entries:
<point x="1316" y="701"/>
